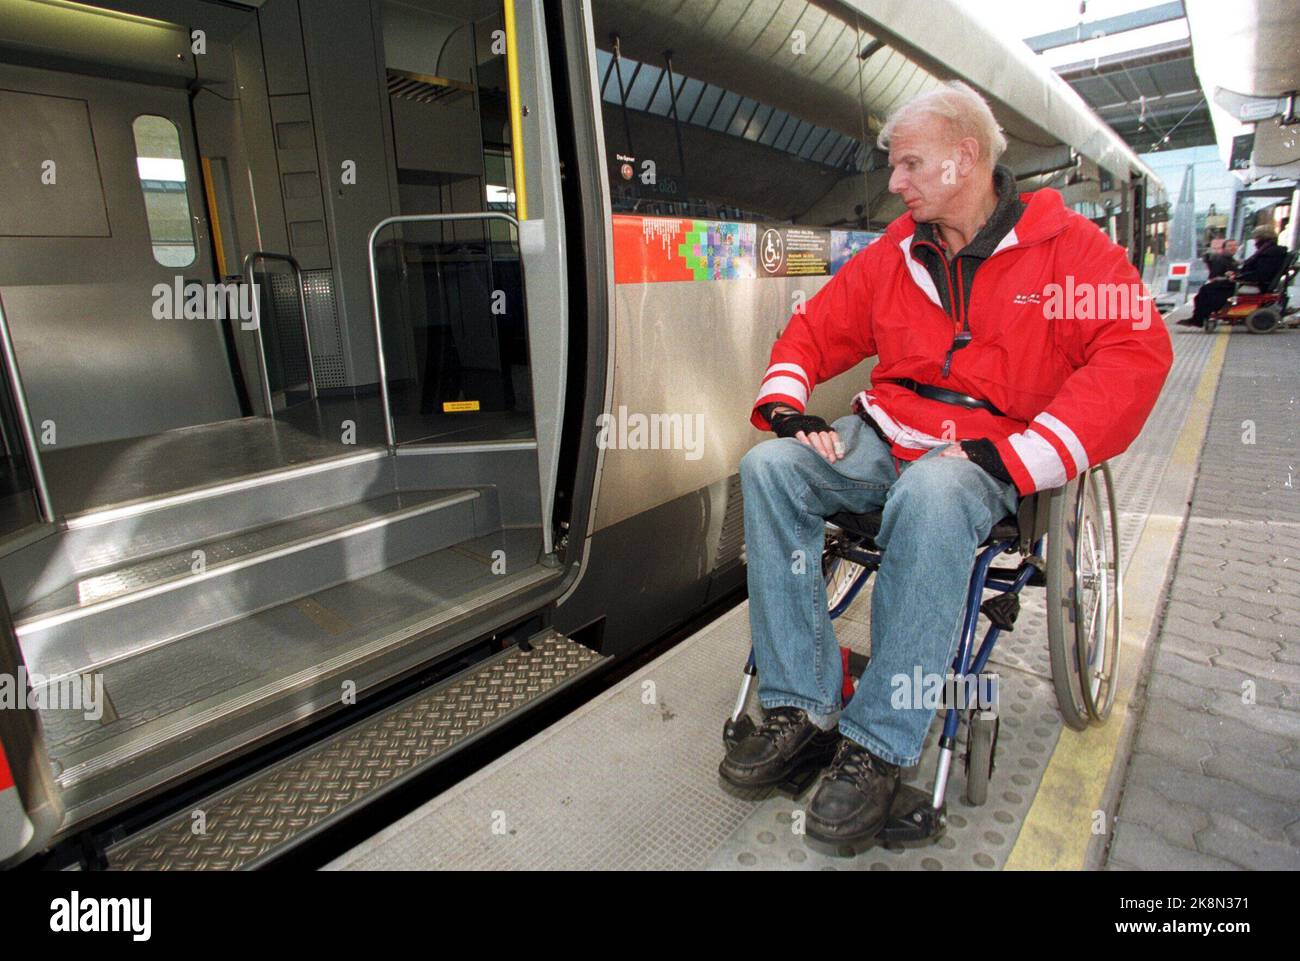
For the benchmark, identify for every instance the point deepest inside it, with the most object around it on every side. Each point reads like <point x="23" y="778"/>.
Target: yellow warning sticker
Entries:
<point x="451" y="406"/>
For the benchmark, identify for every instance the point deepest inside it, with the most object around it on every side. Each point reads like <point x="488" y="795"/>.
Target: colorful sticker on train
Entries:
<point x="656" y="249"/>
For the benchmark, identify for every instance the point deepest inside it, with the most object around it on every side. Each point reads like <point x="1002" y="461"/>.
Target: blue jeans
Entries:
<point x="937" y="510"/>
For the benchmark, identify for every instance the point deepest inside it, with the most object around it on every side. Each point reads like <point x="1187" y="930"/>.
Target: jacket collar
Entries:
<point x="1000" y="223"/>
<point x="1044" y="215"/>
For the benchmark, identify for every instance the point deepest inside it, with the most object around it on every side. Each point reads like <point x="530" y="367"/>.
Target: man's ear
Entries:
<point x="968" y="155"/>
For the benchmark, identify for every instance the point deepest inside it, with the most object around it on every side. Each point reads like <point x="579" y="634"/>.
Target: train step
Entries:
<point x="97" y="541"/>
<point x="106" y="617"/>
<point x="260" y="818"/>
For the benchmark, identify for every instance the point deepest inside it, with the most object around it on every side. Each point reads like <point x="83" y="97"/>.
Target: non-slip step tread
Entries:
<point x="133" y="578"/>
<point x="276" y="808"/>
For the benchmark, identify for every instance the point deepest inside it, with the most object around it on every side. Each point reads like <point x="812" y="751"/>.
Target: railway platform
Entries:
<point x="1197" y="767"/>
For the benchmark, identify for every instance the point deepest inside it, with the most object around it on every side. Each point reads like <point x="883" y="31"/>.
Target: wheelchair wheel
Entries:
<point x="1099" y="580"/>
<point x="839" y="574"/>
<point x="981" y="741"/>
<point x="1263" y="321"/>
<point x="1083" y="597"/>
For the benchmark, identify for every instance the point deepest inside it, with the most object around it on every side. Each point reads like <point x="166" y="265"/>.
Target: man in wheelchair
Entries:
<point x="989" y="385"/>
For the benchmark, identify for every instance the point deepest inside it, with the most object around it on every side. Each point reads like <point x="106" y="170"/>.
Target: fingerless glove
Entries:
<point x="788" y="425"/>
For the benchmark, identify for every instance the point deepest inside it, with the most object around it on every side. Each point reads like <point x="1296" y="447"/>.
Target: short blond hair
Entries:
<point x="967" y="114"/>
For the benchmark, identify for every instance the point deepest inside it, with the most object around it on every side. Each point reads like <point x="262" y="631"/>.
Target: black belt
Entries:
<point x="947" y="396"/>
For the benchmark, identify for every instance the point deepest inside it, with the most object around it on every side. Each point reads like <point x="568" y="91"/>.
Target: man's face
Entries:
<point x="1230" y="247"/>
<point x="927" y="167"/>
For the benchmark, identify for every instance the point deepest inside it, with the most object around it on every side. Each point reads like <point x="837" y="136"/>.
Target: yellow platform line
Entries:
<point x="1084" y="772"/>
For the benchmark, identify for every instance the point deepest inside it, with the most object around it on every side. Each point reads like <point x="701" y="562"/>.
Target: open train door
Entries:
<point x="30" y="811"/>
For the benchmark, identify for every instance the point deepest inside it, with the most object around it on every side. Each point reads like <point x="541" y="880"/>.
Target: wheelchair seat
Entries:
<point x="868" y="525"/>
<point x="1023" y="528"/>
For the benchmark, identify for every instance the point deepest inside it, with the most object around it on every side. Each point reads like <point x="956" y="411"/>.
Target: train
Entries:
<point x="348" y="342"/>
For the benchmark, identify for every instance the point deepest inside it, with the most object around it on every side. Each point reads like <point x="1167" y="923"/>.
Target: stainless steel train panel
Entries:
<point x="698" y="350"/>
<point x="70" y="201"/>
<point x="97" y="362"/>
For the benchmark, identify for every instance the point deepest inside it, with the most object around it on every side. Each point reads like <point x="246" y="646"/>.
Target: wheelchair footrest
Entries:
<point x="913" y="819"/>
<point x="1002" y="610"/>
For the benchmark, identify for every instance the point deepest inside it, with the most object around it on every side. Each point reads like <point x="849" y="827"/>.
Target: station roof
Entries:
<point x="862" y="59"/>
<point x="1136" y="71"/>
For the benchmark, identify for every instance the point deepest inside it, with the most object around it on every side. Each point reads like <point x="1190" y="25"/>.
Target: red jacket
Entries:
<point x="1065" y="343"/>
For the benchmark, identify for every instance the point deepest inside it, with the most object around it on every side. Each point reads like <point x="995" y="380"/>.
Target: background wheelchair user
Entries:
<point x="983" y="392"/>
<point x="1255" y="275"/>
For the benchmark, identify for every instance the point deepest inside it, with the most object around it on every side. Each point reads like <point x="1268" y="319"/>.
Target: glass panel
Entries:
<point x="451" y="293"/>
<point x="747" y="146"/>
<point x="161" y="168"/>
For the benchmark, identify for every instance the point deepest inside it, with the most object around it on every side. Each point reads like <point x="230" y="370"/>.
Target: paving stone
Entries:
<point x="1214" y="729"/>
<point x="1148" y="851"/>
<point x="1218" y="676"/>
<point x="1213" y="637"/>
<point x="1175" y="822"/>
<point x="1274" y="670"/>
<point x="1259" y="716"/>
<point x="1233" y="841"/>
<point x="1179" y="691"/>
<point x="1255" y="626"/>
<point x="1280" y="783"/>
<point x="1187" y="648"/>
<point x="1264" y="814"/>
<point x="1173" y="745"/>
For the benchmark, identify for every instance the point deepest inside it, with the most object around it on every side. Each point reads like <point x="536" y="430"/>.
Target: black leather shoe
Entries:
<point x="785" y="742"/>
<point x="853" y="801"/>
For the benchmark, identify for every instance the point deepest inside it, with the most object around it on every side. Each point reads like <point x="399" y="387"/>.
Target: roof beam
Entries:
<point x="1107" y="26"/>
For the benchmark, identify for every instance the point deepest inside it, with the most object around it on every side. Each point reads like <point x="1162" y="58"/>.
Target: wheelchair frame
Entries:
<point x="1066" y="545"/>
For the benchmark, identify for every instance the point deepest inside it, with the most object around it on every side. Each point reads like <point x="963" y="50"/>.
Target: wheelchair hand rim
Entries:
<point x="1097" y="580"/>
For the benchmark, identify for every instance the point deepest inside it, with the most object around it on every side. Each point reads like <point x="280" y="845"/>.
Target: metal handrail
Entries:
<point x="249" y="261"/>
<point x="43" y="502"/>
<point x="389" y="433"/>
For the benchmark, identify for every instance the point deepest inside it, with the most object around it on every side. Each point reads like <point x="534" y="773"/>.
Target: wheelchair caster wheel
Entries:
<point x="981" y="743"/>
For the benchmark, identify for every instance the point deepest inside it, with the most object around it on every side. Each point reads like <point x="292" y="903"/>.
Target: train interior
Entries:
<point x="222" y="533"/>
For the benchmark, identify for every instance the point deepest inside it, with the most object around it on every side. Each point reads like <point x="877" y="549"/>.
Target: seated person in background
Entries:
<point x="1261" y="268"/>
<point x="1215" y="291"/>
<point x="1256" y="274"/>
<point x="1221" y="259"/>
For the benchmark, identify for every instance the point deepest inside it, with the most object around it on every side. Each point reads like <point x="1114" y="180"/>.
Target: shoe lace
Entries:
<point x="854" y="763"/>
<point x="778" y="723"/>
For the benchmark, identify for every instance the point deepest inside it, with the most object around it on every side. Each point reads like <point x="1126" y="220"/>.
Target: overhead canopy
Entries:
<point x="857" y="60"/>
<point x="1246" y="56"/>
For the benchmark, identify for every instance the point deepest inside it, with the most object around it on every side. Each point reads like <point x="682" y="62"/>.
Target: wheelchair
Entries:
<point x="1259" y="310"/>
<point x="1065" y="540"/>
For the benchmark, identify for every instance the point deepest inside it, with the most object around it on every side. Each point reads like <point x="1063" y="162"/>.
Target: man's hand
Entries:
<point x="809" y="430"/>
<point x="954" y="450"/>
